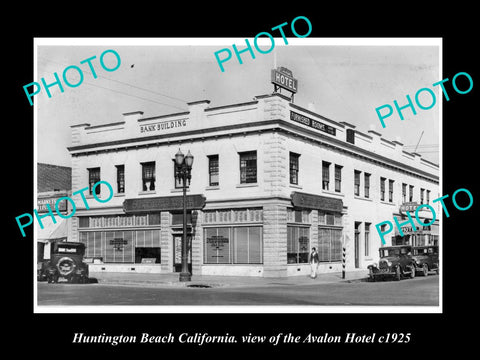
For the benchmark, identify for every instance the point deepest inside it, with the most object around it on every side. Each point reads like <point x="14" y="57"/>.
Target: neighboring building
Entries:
<point x="270" y="180"/>
<point x="53" y="182"/>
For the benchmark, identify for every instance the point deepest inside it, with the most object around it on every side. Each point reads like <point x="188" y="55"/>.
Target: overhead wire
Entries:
<point x="125" y="83"/>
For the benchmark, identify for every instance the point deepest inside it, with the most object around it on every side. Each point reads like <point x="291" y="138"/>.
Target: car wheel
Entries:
<point x="425" y="270"/>
<point x="412" y="271"/>
<point x="398" y="273"/>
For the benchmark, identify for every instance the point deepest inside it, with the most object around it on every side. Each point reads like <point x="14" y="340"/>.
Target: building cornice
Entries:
<point x="274" y="125"/>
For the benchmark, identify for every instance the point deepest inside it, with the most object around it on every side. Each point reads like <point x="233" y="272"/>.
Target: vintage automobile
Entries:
<point x="66" y="261"/>
<point x="395" y="261"/>
<point x="426" y="259"/>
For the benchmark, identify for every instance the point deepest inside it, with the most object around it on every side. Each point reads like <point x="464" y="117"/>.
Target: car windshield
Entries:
<point x="390" y="252"/>
<point x="419" y="251"/>
<point x="393" y="252"/>
<point x="424" y="251"/>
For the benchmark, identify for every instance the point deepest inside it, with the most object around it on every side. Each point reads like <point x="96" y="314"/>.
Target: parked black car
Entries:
<point x="426" y="259"/>
<point x="66" y="261"/>
<point x="395" y="261"/>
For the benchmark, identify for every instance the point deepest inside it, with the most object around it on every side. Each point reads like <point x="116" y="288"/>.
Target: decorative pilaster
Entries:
<point x="274" y="240"/>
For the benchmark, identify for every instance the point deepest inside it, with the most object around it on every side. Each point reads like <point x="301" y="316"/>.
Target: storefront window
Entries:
<point x="329" y="244"/>
<point x="234" y="245"/>
<point x="217" y="246"/>
<point x="147" y="246"/>
<point x="122" y="246"/>
<point x="329" y="236"/>
<point x="298" y="244"/>
<point x="118" y="246"/>
<point x="247" y="248"/>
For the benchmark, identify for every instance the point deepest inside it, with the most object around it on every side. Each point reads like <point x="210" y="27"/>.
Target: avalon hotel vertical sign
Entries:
<point x="282" y="77"/>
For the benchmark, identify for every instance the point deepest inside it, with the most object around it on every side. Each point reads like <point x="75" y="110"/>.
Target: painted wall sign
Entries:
<point x="316" y="202"/>
<point x="302" y="119"/>
<point x="42" y="204"/>
<point x="163" y="125"/>
<point x="163" y="203"/>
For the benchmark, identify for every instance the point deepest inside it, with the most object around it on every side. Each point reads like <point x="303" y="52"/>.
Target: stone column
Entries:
<point x="197" y="242"/>
<point x="348" y="237"/>
<point x="274" y="240"/>
<point x="166" y="242"/>
<point x="314" y="229"/>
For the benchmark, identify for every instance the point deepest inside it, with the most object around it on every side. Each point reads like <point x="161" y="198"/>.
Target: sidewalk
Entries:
<point x="215" y="281"/>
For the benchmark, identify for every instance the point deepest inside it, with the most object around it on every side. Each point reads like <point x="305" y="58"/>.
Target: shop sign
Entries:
<point x="118" y="243"/>
<point x="303" y="243"/>
<point x="163" y="203"/>
<point x="408" y="206"/>
<point x="217" y="241"/>
<point x="316" y="202"/>
<point x="42" y="204"/>
<point x="284" y="78"/>
<point x="314" y="124"/>
<point x="407" y="230"/>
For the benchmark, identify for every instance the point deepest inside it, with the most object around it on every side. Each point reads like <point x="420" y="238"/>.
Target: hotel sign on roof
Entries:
<point x="284" y="78"/>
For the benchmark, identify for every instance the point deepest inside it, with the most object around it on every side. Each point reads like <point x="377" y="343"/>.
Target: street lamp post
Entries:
<point x="183" y="168"/>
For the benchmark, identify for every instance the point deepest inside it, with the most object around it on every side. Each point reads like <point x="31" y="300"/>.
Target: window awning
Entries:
<point x="316" y="202"/>
<point x="53" y="232"/>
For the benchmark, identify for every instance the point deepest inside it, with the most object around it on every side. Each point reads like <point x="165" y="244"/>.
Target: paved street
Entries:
<point x="418" y="291"/>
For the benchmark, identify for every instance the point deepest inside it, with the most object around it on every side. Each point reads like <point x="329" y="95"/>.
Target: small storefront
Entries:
<point x="423" y="235"/>
<point x="147" y="237"/>
<point x="51" y="231"/>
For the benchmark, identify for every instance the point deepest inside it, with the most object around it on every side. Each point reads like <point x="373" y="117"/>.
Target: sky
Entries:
<point x="343" y="80"/>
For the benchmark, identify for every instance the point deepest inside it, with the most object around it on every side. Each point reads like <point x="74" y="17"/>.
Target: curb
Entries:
<point x="207" y="284"/>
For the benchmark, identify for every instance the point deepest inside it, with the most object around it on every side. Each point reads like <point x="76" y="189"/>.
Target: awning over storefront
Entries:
<point x="163" y="203"/>
<point x="317" y="202"/>
<point x="53" y="232"/>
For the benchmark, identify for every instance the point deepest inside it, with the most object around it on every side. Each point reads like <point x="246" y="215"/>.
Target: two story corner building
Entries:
<point x="270" y="180"/>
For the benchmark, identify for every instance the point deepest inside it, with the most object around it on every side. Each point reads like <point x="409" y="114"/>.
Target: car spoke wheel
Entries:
<point x="412" y="271"/>
<point x="425" y="270"/>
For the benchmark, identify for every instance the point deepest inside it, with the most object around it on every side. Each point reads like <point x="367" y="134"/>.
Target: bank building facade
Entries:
<point x="269" y="181"/>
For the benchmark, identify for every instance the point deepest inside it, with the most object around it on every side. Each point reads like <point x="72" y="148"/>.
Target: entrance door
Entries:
<point x="177" y="253"/>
